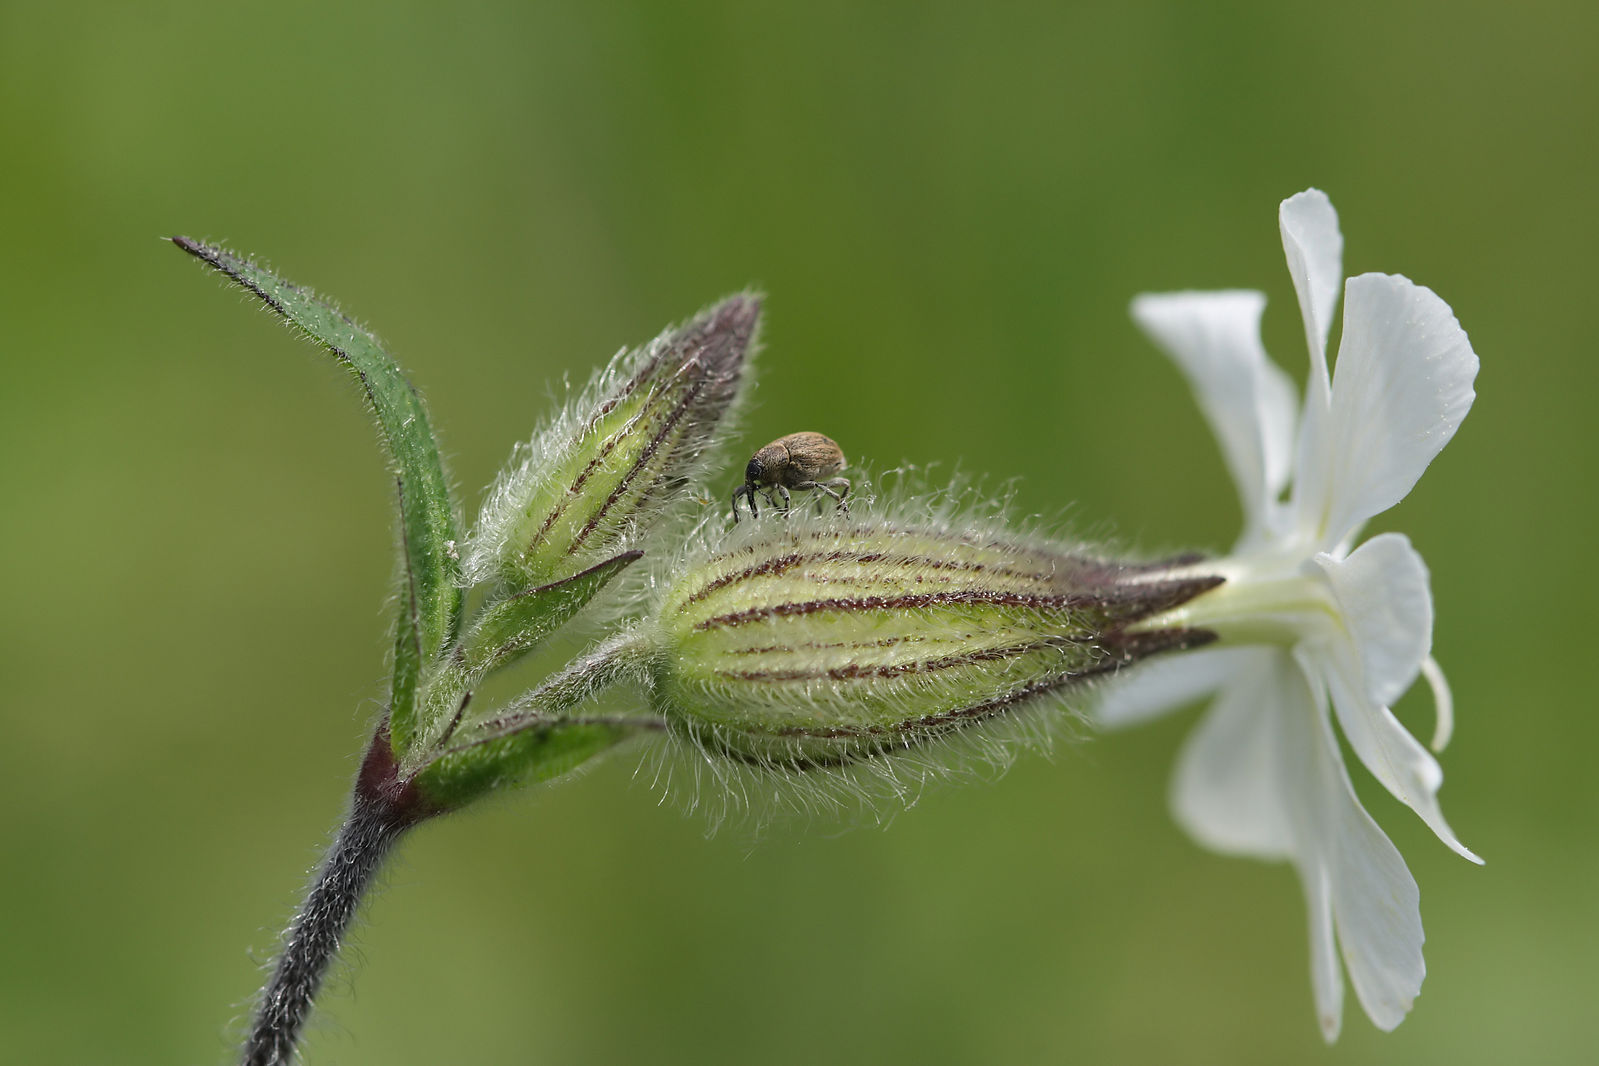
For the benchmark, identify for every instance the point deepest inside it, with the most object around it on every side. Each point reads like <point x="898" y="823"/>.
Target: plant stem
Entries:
<point x="382" y="809"/>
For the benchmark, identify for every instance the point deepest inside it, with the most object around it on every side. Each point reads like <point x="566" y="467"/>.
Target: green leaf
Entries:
<point x="537" y="752"/>
<point x="538" y="737"/>
<point x="430" y="599"/>
<point x="515" y="625"/>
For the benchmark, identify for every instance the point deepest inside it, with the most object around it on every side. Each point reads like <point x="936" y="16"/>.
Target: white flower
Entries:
<point x="1302" y="617"/>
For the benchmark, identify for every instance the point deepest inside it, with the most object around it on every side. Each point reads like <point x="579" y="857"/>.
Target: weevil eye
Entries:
<point x="755" y="471"/>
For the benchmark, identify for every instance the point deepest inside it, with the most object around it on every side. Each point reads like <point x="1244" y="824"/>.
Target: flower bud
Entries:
<point x="621" y="451"/>
<point x="819" y="641"/>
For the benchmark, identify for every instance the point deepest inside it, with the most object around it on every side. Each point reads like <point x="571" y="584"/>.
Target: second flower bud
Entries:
<point x="824" y="640"/>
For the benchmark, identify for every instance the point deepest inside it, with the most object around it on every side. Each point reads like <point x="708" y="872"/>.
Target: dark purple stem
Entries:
<point x="382" y="809"/>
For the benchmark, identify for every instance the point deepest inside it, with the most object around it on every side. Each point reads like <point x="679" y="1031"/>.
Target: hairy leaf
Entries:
<point x="430" y="600"/>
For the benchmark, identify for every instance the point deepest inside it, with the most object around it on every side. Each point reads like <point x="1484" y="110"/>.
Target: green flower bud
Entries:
<point x="626" y="447"/>
<point x="818" y="641"/>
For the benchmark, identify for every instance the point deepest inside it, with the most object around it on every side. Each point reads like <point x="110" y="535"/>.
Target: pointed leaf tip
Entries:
<point x="430" y="599"/>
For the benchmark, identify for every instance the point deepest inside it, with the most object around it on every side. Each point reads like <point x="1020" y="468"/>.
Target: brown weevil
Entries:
<point x="797" y="461"/>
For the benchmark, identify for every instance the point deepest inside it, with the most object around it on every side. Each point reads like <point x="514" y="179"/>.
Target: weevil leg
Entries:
<point x="832" y="488"/>
<point x="838" y="488"/>
<point x="748" y="493"/>
<point x="806" y="486"/>
<point x="777" y="497"/>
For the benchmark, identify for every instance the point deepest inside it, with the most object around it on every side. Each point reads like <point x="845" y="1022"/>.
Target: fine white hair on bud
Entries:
<point x="815" y="643"/>
<point x="695" y="772"/>
<point x="622" y="450"/>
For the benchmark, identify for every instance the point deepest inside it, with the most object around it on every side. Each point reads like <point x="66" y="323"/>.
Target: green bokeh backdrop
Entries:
<point x="950" y="211"/>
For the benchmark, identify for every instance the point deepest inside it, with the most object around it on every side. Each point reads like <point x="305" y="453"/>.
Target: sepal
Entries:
<point x="509" y="628"/>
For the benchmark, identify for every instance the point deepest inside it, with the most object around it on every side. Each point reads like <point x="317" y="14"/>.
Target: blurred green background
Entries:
<point x="950" y="211"/>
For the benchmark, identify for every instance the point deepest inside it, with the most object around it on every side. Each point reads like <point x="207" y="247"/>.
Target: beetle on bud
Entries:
<point x="798" y="461"/>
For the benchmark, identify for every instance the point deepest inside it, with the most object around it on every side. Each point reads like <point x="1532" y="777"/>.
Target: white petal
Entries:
<point x="1375" y="903"/>
<point x="1263" y="776"/>
<point x="1354" y="878"/>
<point x="1214" y="338"/>
<point x="1226" y="789"/>
<point x="1393" y="756"/>
<point x="1254" y="779"/>
<point x="1403" y="385"/>
<point x="1315" y="250"/>
<point x="1326" y="978"/>
<point x="1377" y="908"/>
<point x="1386" y="603"/>
<point x="1161" y="685"/>
<point x="1279" y="409"/>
